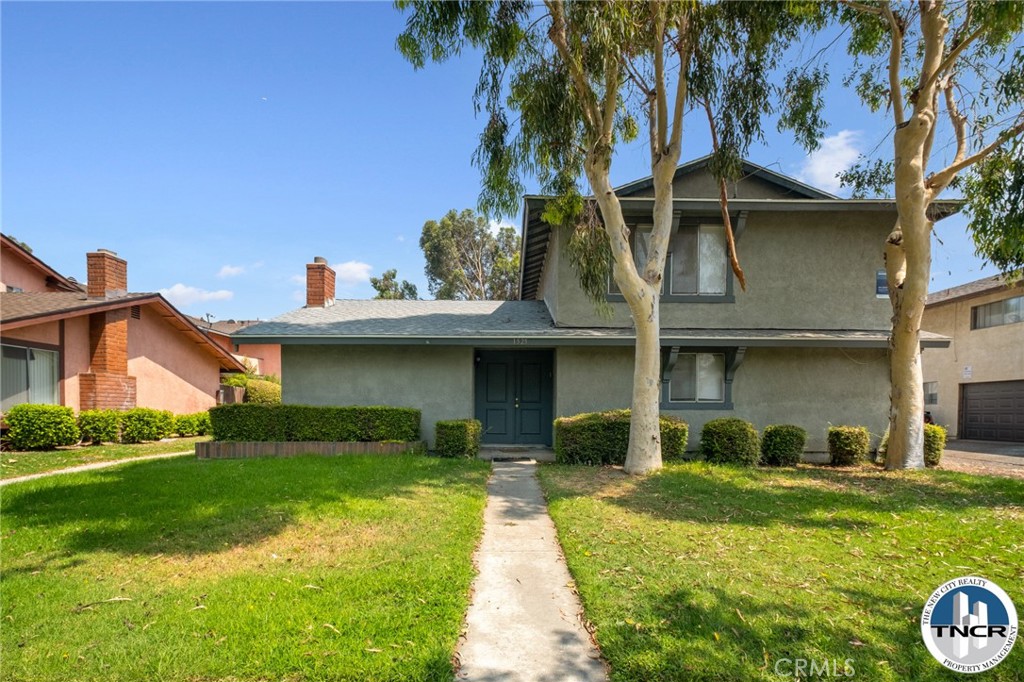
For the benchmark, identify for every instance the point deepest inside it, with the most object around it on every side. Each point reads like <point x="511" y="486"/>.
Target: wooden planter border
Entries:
<point x="246" y="449"/>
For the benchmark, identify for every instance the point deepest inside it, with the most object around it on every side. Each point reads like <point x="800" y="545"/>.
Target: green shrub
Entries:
<point x="730" y="440"/>
<point x="848" y="445"/>
<point x="597" y="438"/>
<point x="458" y="438"/>
<point x="256" y="422"/>
<point x="203" y="427"/>
<point x="186" y="424"/>
<point x="262" y="392"/>
<point x="41" y="427"/>
<point x="782" y="445"/>
<point x="143" y="423"/>
<point x="883" y="447"/>
<point x="100" y="426"/>
<point x="238" y="379"/>
<point x="934" y="444"/>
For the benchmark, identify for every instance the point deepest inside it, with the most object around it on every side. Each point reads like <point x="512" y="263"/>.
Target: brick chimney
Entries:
<point x="319" y="284"/>
<point x="107" y="274"/>
<point x="107" y="384"/>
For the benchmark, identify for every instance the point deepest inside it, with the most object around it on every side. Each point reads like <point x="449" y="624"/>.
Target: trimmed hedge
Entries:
<point x="730" y="440"/>
<point x="848" y="445"/>
<point x="600" y="438"/>
<point x="203" y="426"/>
<point x="143" y="423"/>
<point x="41" y="427"/>
<point x="934" y="444"/>
<point x="782" y="445"/>
<point x="458" y="438"/>
<point x="256" y="422"/>
<point x="100" y="426"/>
<point x="262" y="392"/>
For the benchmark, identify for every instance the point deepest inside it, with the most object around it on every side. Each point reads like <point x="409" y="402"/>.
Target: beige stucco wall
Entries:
<point x="268" y="354"/>
<point x="438" y="380"/>
<point x="171" y="371"/>
<point x="805" y="270"/>
<point x="15" y="272"/>
<point x="993" y="354"/>
<point x="809" y="387"/>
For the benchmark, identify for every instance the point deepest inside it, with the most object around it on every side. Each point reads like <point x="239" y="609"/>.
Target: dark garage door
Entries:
<point x="992" y="411"/>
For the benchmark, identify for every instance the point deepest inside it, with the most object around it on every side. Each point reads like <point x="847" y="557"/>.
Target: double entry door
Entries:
<point x="514" y="396"/>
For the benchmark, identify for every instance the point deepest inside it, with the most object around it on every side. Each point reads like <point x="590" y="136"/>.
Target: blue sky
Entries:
<point x="218" y="147"/>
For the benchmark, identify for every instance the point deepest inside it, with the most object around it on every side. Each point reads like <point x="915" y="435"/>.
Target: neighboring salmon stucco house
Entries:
<point x="975" y="387"/>
<point x="806" y="344"/>
<point x="99" y="346"/>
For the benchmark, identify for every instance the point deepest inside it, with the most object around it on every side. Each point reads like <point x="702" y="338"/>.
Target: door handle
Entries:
<point x="517" y="403"/>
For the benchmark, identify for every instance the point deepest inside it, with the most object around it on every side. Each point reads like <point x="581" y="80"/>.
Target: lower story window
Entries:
<point x="931" y="393"/>
<point x="698" y="377"/>
<point x="28" y="375"/>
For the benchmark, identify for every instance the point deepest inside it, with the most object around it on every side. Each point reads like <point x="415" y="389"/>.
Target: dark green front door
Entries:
<point x="514" y="396"/>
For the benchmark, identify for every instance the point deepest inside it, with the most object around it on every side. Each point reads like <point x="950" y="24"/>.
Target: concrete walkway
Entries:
<point x="91" y="467"/>
<point x="523" y="624"/>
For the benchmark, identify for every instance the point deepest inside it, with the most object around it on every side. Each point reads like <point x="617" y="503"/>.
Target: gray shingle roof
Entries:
<point x="975" y="288"/>
<point x="409" y="318"/>
<point x="469" y="322"/>
<point x="28" y="304"/>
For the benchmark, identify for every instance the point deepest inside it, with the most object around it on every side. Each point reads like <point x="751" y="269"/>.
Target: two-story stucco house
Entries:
<point x="98" y="345"/>
<point x="975" y="387"/>
<point x="806" y="344"/>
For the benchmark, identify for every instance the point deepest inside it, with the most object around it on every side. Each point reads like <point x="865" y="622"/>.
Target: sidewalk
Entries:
<point x="523" y="623"/>
<point x="91" y="467"/>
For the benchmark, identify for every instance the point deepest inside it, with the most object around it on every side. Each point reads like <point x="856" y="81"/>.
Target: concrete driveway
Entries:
<point x="985" y="457"/>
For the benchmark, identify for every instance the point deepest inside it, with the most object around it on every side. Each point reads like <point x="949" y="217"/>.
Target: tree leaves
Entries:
<point x="467" y="261"/>
<point x="388" y="287"/>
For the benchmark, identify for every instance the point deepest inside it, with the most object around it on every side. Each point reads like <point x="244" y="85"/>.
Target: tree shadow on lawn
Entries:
<point x="192" y="507"/>
<point x="710" y="633"/>
<point x="806" y="497"/>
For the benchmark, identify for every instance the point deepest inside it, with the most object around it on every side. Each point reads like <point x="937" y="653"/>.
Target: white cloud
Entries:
<point x="836" y="153"/>
<point x="298" y="279"/>
<point x="496" y="225"/>
<point x="230" y="271"/>
<point x="183" y="295"/>
<point x="400" y="238"/>
<point x="353" y="272"/>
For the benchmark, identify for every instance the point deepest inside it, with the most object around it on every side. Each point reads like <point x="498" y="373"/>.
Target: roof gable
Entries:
<point x="692" y="179"/>
<point x="14" y="249"/>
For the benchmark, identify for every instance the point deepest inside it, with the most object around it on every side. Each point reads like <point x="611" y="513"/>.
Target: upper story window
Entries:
<point x="931" y="393"/>
<point x="28" y="375"/>
<point x="696" y="264"/>
<point x="1007" y="311"/>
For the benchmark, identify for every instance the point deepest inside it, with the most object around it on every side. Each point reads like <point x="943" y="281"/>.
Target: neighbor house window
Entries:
<point x="696" y="263"/>
<point x="698" y="378"/>
<point x="931" y="393"/>
<point x="28" y="375"/>
<point x="881" y="284"/>
<point x="1007" y="311"/>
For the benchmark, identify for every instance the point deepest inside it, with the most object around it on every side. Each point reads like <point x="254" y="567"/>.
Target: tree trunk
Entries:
<point x="908" y="250"/>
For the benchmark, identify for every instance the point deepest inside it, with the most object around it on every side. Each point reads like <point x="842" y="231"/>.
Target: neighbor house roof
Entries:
<point x="970" y="290"/>
<point x="24" y="309"/>
<point x="225" y="327"/>
<point x="511" y="323"/>
<point x="53" y="278"/>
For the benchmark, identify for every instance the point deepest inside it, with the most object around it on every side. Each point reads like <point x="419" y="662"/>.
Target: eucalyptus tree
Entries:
<point x="563" y="84"/>
<point x="952" y="77"/>
<point x="467" y="261"/>
<point x="389" y="287"/>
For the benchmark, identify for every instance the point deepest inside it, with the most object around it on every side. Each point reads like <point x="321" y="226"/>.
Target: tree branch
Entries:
<point x="723" y="196"/>
<point x="895" y="52"/>
<point x="659" y="75"/>
<point x="685" y="52"/>
<point x="861" y="7"/>
<point x="946" y="175"/>
<point x="557" y="34"/>
<point x="951" y="58"/>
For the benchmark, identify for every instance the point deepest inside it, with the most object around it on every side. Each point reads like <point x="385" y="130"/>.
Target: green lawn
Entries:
<point x="705" y="573"/>
<point x="13" y="464"/>
<point x="311" y="568"/>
